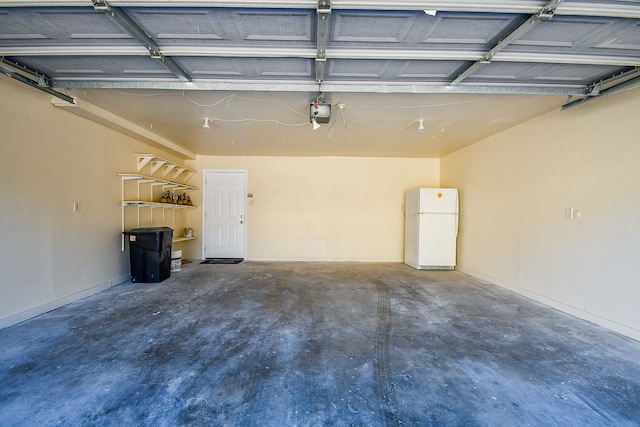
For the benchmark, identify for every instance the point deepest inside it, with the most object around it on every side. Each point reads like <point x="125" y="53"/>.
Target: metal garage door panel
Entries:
<point x="469" y="30"/>
<point x="225" y="26"/>
<point x="59" y="27"/>
<point x="577" y="35"/>
<point x="417" y="30"/>
<point x="351" y="28"/>
<point x="524" y="73"/>
<point x="429" y="71"/>
<point x="392" y="71"/>
<point x="363" y="69"/>
<point x="127" y="67"/>
<point x="249" y="68"/>
<point x="627" y="37"/>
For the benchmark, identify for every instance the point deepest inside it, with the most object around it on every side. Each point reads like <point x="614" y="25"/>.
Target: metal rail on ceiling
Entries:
<point x="608" y="86"/>
<point x="323" y="11"/>
<point x="546" y="12"/>
<point x="312" y="86"/>
<point x="31" y="78"/>
<point x="134" y="30"/>
<point x="575" y="8"/>
<point x="309" y="53"/>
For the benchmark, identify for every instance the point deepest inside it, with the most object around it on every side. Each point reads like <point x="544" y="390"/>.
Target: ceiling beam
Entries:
<point x="546" y="12"/>
<point x="575" y="8"/>
<point x="135" y="31"/>
<point x="92" y="112"/>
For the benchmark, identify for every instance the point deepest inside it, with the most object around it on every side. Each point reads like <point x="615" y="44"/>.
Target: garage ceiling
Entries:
<point x="466" y="69"/>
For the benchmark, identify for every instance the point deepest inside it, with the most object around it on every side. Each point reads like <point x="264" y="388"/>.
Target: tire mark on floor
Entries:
<point x="260" y="388"/>
<point x="384" y="386"/>
<point x="308" y="360"/>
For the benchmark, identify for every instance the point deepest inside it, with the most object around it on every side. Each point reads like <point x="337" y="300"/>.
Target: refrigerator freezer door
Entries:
<point x="437" y="241"/>
<point x="438" y="200"/>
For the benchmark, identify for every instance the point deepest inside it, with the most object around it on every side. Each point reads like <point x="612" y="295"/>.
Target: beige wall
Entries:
<point x="50" y="158"/>
<point x="515" y="187"/>
<point x="346" y="209"/>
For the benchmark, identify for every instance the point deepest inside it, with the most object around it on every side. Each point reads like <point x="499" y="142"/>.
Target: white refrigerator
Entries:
<point x="431" y="228"/>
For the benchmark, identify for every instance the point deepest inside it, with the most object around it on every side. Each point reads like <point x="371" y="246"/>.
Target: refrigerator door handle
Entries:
<point x="457" y="215"/>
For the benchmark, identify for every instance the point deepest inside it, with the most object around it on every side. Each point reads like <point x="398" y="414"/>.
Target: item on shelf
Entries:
<point x="174" y="176"/>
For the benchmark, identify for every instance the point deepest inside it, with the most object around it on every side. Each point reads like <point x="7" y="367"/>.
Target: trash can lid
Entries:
<point x="148" y="230"/>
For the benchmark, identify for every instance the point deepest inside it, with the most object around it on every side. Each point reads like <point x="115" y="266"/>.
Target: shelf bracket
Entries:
<point x="178" y="172"/>
<point x="167" y="169"/>
<point x="188" y="175"/>
<point x="157" y="164"/>
<point x="143" y="161"/>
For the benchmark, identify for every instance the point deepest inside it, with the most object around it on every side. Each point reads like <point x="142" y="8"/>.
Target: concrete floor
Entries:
<point x="315" y="344"/>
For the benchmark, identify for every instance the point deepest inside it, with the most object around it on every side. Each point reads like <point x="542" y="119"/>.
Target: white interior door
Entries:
<point x="224" y="214"/>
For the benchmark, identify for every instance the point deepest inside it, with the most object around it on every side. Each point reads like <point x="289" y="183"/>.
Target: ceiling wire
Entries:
<point x="409" y="107"/>
<point x="142" y="95"/>
<point x="229" y="98"/>
<point x="278" y="122"/>
<point x="344" y="119"/>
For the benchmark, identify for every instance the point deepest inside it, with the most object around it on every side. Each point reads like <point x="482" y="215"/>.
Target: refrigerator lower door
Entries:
<point x="411" y="238"/>
<point x="437" y="241"/>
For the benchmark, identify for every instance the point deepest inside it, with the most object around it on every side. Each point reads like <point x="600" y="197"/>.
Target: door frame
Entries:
<point x="204" y="204"/>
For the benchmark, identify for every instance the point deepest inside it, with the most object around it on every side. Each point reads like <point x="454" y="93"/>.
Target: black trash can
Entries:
<point x="150" y="253"/>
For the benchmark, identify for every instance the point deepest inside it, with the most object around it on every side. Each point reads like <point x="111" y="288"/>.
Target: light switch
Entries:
<point x="572" y="213"/>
